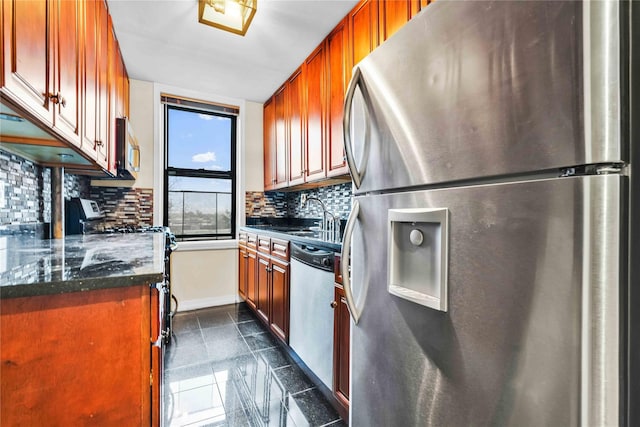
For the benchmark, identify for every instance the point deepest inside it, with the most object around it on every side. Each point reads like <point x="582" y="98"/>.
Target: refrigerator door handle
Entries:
<point x="356" y="81"/>
<point x="344" y="265"/>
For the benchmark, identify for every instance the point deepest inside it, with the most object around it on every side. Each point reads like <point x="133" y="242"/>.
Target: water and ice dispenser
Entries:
<point x="418" y="256"/>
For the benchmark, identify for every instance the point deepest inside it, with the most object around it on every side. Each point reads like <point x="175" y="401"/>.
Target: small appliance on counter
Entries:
<point x="78" y="213"/>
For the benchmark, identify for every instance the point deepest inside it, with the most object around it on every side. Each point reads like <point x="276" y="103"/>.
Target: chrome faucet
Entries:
<point x="330" y="221"/>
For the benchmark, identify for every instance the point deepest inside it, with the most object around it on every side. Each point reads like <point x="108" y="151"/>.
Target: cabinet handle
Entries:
<point x="57" y="99"/>
<point x="99" y="143"/>
<point x="334" y="304"/>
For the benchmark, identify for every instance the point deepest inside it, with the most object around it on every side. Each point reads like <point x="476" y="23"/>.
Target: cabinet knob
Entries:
<point x="99" y="143"/>
<point x="334" y="304"/>
<point x="57" y="99"/>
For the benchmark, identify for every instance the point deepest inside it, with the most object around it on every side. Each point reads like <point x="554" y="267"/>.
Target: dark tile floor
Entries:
<point x="223" y="368"/>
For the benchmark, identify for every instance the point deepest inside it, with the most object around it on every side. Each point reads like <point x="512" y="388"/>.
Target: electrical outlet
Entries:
<point x="3" y="202"/>
<point x="303" y="199"/>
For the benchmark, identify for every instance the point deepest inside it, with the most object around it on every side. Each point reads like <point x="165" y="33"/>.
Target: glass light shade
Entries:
<point x="229" y="15"/>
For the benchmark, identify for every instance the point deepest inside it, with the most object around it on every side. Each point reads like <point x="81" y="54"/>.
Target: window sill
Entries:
<point x="207" y="245"/>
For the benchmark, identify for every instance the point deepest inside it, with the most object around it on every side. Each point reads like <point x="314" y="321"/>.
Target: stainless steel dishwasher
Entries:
<point x="311" y="315"/>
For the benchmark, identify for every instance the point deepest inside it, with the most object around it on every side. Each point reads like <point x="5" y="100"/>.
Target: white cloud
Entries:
<point x="209" y="156"/>
<point x="216" y="167"/>
<point x="206" y="117"/>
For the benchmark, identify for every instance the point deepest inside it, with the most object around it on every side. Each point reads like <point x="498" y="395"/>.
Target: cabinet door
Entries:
<point x="114" y="94"/>
<point x="295" y="113"/>
<point x="263" y="276"/>
<point x="393" y="15"/>
<point x="269" y="125"/>
<point x="67" y="69"/>
<point x="102" y="117"/>
<point x="316" y="101"/>
<point x="27" y="56"/>
<point x="341" y="336"/>
<point x="156" y="356"/>
<point x="242" y="272"/>
<point x="337" y="70"/>
<point x="363" y="23"/>
<point x="252" y="288"/>
<point x="89" y="77"/>
<point x="279" y="317"/>
<point x="281" y="138"/>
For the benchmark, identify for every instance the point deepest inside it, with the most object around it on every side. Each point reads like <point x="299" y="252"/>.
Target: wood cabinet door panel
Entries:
<point x="315" y="123"/>
<point x="341" y="338"/>
<point x="269" y="125"/>
<point x="363" y="23"/>
<point x="337" y="56"/>
<point x="242" y="272"/>
<point x="279" y="316"/>
<point x="67" y="69"/>
<point x="80" y="358"/>
<point x="252" y="269"/>
<point x="103" y="118"/>
<point x="393" y="15"/>
<point x="90" y="78"/>
<point x="295" y="113"/>
<point x="263" y="276"/>
<point x="281" y="138"/>
<point x="27" y="55"/>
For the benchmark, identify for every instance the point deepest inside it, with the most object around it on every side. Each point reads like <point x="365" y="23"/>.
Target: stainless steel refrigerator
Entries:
<point x="492" y="241"/>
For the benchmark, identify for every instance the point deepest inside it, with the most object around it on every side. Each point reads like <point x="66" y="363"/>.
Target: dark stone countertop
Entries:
<point x="286" y="233"/>
<point x="31" y="266"/>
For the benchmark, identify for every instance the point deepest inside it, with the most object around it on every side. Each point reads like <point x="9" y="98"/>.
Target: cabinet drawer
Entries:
<point x="242" y="238"/>
<point x="280" y="249"/>
<point x="252" y="240"/>
<point x="264" y="244"/>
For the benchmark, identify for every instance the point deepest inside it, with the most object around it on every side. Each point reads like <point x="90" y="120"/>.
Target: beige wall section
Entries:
<point x="253" y="170"/>
<point x="204" y="278"/>
<point x="141" y="112"/>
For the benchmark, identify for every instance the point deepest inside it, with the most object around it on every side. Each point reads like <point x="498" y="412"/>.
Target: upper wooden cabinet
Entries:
<point x="281" y="138"/>
<point x="393" y="15"/>
<point x="59" y="60"/>
<point x="363" y="24"/>
<point x="40" y="67"/>
<point x="295" y="96"/>
<point x="311" y="124"/>
<point x="269" y="138"/>
<point x="28" y="56"/>
<point x="338" y="70"/>
<point x="315" y="117"/>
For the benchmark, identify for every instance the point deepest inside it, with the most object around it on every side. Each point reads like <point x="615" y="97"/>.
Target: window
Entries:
<point x="199" y="178"/>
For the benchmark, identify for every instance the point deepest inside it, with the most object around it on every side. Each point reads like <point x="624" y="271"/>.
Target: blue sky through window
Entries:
<point x="199" y="141"/>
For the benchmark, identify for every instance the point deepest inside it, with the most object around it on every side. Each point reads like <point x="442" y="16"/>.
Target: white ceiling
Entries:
<point x="162" y="41"/>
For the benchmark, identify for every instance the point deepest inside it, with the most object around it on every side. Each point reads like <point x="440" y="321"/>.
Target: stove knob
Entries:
<point x="326" y="262"/>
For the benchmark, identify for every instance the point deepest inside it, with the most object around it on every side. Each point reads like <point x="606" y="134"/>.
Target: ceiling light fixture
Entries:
<point x="229" y="15"/>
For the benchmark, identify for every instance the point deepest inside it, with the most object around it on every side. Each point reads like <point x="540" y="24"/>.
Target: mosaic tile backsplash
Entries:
<point x="275" y="204"/>
<point x="124" y="206"/>
<point x="27" y="196"/>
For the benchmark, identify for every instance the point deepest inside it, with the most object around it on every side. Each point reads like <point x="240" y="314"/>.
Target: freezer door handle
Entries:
<point x="344" y="265"/>
<point x="355" y="83"/>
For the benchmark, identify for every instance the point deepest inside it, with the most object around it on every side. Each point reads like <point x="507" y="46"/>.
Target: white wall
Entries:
<point x="203" y="274"/>
<point x="253" y="171"/>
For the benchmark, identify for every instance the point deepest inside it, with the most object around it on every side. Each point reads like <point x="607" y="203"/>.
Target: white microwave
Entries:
<point x="127" y="150"/>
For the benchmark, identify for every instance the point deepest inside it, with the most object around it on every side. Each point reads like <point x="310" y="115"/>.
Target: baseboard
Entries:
<point x="195" y="304"/>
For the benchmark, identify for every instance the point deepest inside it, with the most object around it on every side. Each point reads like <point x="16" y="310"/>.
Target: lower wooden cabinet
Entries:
<point x="79" y="358"/>
<point x="341" y="337"/>
<point x="263" y="281"/>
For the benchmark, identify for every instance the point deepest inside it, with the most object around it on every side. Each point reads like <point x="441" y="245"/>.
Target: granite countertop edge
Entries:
<point x="78" y="285"/>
